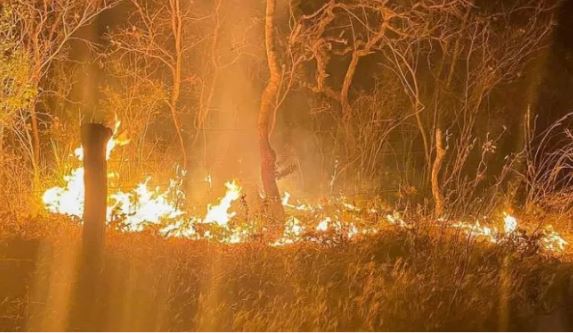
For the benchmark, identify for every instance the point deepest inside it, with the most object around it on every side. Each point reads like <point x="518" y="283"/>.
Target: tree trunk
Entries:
<point x="1" y="145"/>
<point x="85" y="314"/>
<point x="94" y="142"/>
<point x="35" y="156"/>
<point x="349" y="76"/>
<point x="436" y="191"/>
<point x="35" y="135"/>
<point x="268" y="104"/>
<point x="176" y="27"/>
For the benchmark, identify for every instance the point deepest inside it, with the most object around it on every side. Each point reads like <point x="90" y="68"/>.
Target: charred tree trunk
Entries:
<point x="268" y="104"/>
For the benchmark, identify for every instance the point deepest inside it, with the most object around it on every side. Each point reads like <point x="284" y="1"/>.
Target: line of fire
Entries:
<point x="286" y="165"/>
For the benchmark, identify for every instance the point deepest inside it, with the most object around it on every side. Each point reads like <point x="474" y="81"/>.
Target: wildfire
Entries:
<point x="299" y="206"/>
<point x="220" y="213"/>
<point x="138" y="207"/>
<point x="509" y="223"/>
<point x="67" y="200"/>
<point x="144" y="206"/>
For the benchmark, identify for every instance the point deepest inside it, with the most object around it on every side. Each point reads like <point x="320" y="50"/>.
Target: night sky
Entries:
<point x="556" y="88"/>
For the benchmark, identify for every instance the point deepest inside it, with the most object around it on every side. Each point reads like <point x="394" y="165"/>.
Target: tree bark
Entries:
<point x="176" y="27"/>
<point x="349" y="76"/>
<point x="268" y="104"/>
<point x="85" y="314"/>
<point x="94" y="142"/>
<point x="437" y="165"/>
<point x="35" y="135"/>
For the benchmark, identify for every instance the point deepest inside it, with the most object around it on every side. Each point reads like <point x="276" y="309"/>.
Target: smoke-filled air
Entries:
<point x="286" y="165"/>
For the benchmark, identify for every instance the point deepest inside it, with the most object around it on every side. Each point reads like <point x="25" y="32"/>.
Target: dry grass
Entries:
<point x="426" y="278"/>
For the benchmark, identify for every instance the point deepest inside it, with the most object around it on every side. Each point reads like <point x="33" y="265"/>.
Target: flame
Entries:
<point x="220" y="213"/>
<point x="509" y="223"/>
<point x="478" y="230"/>
<point x="323" y="224"/>
<point x="67" y="200"/>
<point x="552" y="241"/>
<point x="144" y="206"/>
<point x="209" y="180"/>
<point x="138" y="207"/>
<point x="292" y="232"/>
<point x="299" y="206"/>
<point x="352" y="231"/>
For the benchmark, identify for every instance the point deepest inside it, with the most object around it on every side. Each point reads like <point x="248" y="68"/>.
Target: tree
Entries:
<point x="157" y="40"/>
<point x="16" y="90"/>
<point x="269" y="99"/>
<point x="448" y="57"/>
<point x="45" y="28"/>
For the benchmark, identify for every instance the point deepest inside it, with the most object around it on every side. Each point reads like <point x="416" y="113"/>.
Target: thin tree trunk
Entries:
<point x="1" y="144"/>
<point x="176" y="26"/>
<point x="349" y="76"/>
<point x="349" y="138"/>
<point x="436" y="191"/>
<point x="268" y="104"/>
<point x="34" y="127"/>
<point x="35" y="134"/>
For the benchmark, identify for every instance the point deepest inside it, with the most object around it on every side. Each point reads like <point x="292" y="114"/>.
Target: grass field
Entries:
<point x="422" y="278"/>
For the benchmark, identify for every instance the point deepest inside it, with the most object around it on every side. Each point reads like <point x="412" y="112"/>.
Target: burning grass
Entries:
<point x="336" y="218"/>
<point x="336" y="264"/>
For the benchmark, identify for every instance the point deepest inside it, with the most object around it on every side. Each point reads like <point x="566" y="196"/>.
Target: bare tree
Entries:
<point x="448" y="57"/>
<point x="45" y="28"/>
<point x="269" y="99"/>
<point x="490" y="48"/>
<point x="157" y="38"/>
<point x="349" y="31"/>
<point x="16" y="90"/>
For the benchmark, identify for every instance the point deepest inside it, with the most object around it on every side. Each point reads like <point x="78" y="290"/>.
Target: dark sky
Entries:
<point x="556" y="88"/>
<point x="555" y="91"/>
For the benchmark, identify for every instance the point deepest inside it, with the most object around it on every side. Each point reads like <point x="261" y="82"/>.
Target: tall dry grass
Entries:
<point x="426" y="278"/>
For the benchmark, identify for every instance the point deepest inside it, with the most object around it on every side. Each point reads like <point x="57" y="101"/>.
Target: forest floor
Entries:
<point x="421" y="278"/>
